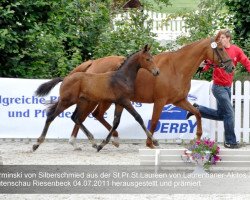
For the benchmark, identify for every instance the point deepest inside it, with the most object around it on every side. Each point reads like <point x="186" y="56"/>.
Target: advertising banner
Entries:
<point x="23" y="114"/>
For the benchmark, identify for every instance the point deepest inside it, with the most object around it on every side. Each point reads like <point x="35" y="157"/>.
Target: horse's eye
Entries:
<point x="221" y="49"/>
<point x="148" y="59"/>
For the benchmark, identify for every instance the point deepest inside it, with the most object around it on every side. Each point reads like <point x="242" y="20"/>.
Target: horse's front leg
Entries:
<point x="158" y="106"/>
<point x="72" y="139"/>
<point x="186" y="105"/>
<point x="116" y="121"/>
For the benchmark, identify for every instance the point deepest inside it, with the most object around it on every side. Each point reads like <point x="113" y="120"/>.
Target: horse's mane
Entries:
<point x="184" y="47"/>
<point x="127" y="57"/>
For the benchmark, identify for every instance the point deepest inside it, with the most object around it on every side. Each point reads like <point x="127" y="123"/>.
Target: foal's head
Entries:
<point x="219" y="56"/>
<point x="146" y="61"/>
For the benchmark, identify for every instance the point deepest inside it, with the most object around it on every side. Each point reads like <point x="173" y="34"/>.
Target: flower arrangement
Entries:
<point x="205" y="150"/>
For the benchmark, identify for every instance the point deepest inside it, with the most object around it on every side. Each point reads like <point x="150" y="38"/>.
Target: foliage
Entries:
<point x="43" y="39"/>
<point x="241" y="20"/>
<point x="204" y="149"/>
<point x="127" y="36"/>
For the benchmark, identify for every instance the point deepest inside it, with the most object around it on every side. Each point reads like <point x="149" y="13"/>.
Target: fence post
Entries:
<point x="246" y="111"/>
<point x="237" y="106"/>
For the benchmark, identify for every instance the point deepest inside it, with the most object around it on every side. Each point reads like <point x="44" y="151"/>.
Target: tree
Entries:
<point x="44" y="39"/>
<point x="41" y="39"/>
<point x="127" y="36"/>
<point x="240" y="10"/>
<point x="17" y="21"/>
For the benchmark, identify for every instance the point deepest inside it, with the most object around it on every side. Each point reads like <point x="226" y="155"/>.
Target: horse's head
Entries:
<point x="146" y="61"/>
<point x="219" y="55"/>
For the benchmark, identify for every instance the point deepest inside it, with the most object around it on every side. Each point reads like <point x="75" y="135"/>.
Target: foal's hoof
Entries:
<point x="116" y="144"/>
<point x="99" y="148"/>
<point x="35" y="147"/>
<point x="77" y="149"/>
<point x="94" y="146"/>
<point x="156" y="143"/>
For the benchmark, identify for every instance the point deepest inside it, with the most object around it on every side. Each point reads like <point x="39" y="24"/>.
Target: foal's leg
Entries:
<point x="128" y="106"/>
<point x="158" y="106"/>
<point x="99" y="113"/>
<point x="116" y="121"/>
<point x="54" y="111"/>
<point x="86" y="111"/>
<point x="186" y="105"/>
<point x="82" y="110"/>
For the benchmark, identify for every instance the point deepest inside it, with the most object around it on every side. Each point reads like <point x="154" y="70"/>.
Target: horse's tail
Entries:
<point x="45" y="88"/>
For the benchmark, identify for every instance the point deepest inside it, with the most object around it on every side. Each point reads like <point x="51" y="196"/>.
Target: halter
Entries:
<point x="215" y="50"/>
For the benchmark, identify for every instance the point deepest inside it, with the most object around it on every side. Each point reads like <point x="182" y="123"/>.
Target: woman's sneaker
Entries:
<point x="232" y="146"/>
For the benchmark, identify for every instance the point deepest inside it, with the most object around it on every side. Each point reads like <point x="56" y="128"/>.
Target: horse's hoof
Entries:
<point x="116" y="144"/>
<point x="72" y="143"/>
<point x="156" y="143"/>
<point x="151" y="146"/>
<point x="99" y="148"/>
<point x="77" y="149"/>
<point x="95" y="146"/>
<point x="35" y="147"/>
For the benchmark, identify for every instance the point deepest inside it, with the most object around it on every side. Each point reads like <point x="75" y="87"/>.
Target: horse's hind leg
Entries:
<point x="82" y="110"/>
<point x="116" y="121"/>
<point x="99" y="113"/>
<point x="186" y="105"/>
<point x="53" y="112"/>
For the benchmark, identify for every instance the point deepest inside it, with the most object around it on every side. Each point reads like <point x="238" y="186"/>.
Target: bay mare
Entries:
<point x="85" y="89"/>
<point x="170" y="87"/>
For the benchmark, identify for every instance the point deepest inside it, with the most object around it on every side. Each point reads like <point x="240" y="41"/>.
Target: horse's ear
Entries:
<point x="146" y="48"/>
<point x="217" y="37"/>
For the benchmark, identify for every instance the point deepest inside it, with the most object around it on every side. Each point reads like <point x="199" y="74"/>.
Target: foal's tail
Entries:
<point x="45" y="88"/>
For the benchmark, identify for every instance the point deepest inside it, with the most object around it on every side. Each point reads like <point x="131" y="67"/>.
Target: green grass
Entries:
<point x="177" y="5"/>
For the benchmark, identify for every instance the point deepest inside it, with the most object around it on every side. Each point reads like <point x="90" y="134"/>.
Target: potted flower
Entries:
<point x="203" y="152"/>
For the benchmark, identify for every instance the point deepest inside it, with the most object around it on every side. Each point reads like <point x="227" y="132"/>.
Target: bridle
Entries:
<point x="216" y="51"/>
<point x="222" y="64"/>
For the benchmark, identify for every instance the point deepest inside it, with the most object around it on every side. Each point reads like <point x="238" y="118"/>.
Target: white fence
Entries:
<point x="165" y="30"/>
<point x="241" y="102"/>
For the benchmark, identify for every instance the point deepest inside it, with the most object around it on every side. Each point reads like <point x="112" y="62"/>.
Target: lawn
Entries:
<point x="177" y="5"/>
